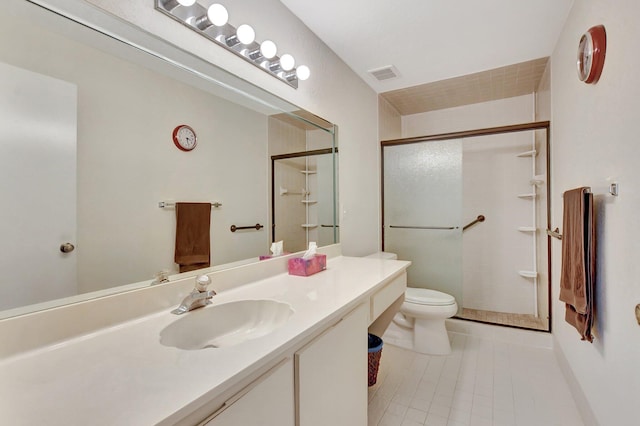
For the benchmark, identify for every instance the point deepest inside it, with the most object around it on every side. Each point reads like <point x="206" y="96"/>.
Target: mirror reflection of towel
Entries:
<point x="193" y="222"/>
<point x="577" y="279"/>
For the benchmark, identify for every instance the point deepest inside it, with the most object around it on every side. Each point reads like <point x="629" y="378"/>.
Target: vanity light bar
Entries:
<point x="211" y="22"/>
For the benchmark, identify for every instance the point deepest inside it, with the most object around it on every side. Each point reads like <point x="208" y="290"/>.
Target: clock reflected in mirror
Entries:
<point x="184" y="137"/>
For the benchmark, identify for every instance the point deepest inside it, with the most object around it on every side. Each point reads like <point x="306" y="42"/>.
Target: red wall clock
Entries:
<point x="591" y="52"/>
<point x="184" y="137"/>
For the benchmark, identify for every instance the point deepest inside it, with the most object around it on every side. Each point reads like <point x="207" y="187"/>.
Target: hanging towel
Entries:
<point x="192" y="236"/>
<point x="577" y="279"/>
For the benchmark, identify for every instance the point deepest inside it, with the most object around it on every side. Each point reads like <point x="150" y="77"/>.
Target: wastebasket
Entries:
<point x="375" y="351"/>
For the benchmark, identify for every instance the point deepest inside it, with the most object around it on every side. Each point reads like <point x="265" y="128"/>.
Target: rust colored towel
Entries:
<point x="192" y="236"/>
<point x="578" y="274"/>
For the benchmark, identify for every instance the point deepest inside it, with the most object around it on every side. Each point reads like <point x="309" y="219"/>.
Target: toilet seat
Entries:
<point x="424" y="296"/>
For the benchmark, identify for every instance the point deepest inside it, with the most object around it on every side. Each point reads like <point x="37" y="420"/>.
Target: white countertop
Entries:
<point x="122" y="375"/>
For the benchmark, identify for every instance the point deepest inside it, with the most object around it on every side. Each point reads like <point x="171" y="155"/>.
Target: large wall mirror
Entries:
<point x="87" y="158"/>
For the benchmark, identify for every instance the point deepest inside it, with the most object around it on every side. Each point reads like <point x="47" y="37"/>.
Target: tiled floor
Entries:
<point x="518" y="320"/>
<point x="483" y="382"/>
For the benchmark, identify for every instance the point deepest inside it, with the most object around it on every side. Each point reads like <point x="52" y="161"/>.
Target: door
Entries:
<point x="37" y="149"/>
<point x="422" y="184"/>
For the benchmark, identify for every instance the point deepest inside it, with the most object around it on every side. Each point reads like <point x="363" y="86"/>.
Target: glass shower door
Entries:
<point x="422" y="204"/>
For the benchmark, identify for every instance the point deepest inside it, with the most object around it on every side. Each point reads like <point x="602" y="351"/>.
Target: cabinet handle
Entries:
<point x="229" y="402"/>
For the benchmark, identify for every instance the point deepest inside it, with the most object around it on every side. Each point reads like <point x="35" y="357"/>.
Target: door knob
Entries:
<point x="67" y="247"/>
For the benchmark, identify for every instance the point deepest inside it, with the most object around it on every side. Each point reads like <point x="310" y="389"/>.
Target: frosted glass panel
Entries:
<point x="423" y="188"/>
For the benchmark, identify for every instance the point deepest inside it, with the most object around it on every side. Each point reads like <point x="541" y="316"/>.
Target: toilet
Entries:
<point x="424" y="312"/>
<point x="420" y="323"/>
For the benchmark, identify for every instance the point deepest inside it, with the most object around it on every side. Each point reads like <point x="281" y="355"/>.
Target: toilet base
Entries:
<point x="430" y="337"/>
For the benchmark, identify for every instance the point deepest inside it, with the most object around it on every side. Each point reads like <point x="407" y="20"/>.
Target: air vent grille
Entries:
<point x="384" y="73"/>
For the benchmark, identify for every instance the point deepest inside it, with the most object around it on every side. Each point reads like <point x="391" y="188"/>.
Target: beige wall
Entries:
<point x="595" y="141"/>
<point x="469" y="117"/>
<point x="389" y="121"/>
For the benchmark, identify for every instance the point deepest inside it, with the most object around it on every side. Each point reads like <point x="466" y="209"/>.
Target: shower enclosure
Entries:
<point x="470" y="210"/>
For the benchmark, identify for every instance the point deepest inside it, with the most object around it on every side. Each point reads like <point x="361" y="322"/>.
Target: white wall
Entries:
<point x="469" y="117"/>
<point x="389" y="121"/>
<point x="333" y="92"/>
<point x="594" y="141"/>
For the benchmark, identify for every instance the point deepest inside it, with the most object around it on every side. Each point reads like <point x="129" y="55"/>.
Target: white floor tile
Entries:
<point x="485" y="381"/>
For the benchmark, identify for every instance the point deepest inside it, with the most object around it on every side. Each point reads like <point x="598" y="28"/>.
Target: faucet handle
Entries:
<point x="202" y="282"/>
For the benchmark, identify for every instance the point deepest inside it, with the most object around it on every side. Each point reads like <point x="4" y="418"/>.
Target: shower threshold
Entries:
<point x="527" y="321"/>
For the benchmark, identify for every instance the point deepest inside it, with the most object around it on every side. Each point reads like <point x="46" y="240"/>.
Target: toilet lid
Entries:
<point x="423" y="296"/>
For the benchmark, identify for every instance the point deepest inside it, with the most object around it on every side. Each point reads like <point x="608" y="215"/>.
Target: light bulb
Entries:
<point x="217" y="14"/>
<point x="246" y="34"/>
<point x="287" y="62"/>
<point x="268" y="49"/>
<point x="303" y="72"/>
<point x="186" y="2"/>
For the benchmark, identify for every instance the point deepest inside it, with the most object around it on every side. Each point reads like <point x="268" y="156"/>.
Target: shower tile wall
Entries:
<point x="494" y="250"/>
<point x="285" y="138"/>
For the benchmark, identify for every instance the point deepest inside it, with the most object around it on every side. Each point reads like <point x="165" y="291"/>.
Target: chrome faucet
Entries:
<point x="198" y="298"/>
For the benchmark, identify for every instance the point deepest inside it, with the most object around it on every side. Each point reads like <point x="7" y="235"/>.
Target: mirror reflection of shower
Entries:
<point x="470" y="213"/>
<point x="303" y="184"/>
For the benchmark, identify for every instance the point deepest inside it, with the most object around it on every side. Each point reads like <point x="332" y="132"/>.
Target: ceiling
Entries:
<point x="430" y="41"/>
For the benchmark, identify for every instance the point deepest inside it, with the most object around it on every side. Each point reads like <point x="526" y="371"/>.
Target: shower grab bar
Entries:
<point x="480" y="218"/>
<point x="424" y="227"/>
<point x="555" y="233"/>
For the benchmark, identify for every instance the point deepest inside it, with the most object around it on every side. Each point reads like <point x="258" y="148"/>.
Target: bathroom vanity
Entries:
<point x="309" y="370"/>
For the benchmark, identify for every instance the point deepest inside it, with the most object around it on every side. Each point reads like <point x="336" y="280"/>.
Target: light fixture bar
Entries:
<point x="196" y="17"/>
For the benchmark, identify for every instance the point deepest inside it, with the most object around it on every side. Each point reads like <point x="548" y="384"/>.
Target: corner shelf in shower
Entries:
<point x="531" y="153"/>
<point x="528" y="274"/>
<point x="531" y="195"/>
<point x="308" y="172"/>
<point x="309" y="201"/>
<point x="309" y="225"/>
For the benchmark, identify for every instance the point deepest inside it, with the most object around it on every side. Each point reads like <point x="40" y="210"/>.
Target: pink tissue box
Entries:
<point x="304" y="268"/>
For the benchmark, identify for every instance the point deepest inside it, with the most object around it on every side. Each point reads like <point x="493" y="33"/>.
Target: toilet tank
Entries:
<point x="383" y="255"/>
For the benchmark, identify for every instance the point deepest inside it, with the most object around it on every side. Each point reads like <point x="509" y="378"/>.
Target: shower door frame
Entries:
<point x="523" y="127"/>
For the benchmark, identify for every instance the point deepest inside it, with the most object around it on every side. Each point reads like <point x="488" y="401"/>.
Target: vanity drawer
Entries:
<point x="384" y="297"/>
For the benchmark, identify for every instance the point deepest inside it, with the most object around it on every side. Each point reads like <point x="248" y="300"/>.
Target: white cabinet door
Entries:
<point x="266" y="402"/>
<point x="331" y="375"/>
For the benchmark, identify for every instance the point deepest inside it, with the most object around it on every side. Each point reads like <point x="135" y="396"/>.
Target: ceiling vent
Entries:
<point x="384" y="73"/>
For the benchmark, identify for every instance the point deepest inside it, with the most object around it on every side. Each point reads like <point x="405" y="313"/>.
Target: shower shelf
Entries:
<point x="308" y="172"/>
<point x="308" y="201"/>
<point x="528" y="274"/>
<point x="532" y="195"/>
<point x="531" y="153"/>
<point x="309" y="225"/>
<point x="527" y="229"/>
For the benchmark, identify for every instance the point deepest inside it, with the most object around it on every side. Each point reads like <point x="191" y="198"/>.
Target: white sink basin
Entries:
<point x="227" y="324"/>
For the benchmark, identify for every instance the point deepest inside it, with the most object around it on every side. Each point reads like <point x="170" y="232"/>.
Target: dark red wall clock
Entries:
<point x="184" y="137"/>
<point x="591" y="52"/>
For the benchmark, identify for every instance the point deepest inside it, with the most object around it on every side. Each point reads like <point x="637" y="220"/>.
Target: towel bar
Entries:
<point x="165" y="204"/>
<point x="257" y="227"/>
